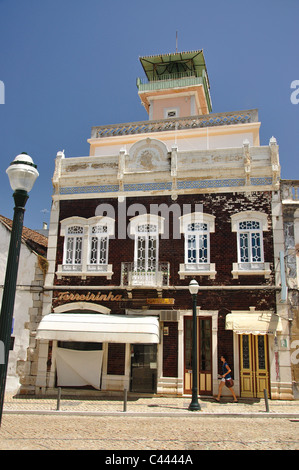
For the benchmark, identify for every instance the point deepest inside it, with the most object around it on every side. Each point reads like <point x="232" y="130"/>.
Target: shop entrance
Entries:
<point x="144" y="368"/>
<point x="204" y="360"/>
<point x="254" y="365"/>
<point x="79" y="364"/>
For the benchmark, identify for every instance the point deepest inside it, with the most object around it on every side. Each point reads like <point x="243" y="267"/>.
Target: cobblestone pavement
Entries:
<point x="147" y="405"/>
<point x="38" y="432"/>
<point x="156" y="423"/>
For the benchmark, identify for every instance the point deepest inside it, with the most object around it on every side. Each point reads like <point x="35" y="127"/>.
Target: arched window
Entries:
<point x="196" y="228"/>
<point x="249" y="226"/>
<point x="98" y="247"/>
<point x="146" y="270"/>
<point x="73" y="243"/>
<point x="73" y="247"/>
<point x="250" y="242"/>
<point x="146" y="247"/>
<point x="86" y="246"/>
<point x="146" y="229"/>
<point x="197" y="241"/>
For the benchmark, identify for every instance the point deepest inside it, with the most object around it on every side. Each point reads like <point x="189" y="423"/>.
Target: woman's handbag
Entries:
<point x="229" y="383"/>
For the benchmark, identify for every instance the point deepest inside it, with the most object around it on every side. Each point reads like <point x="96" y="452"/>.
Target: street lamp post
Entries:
<point x="194" y="405"/>
<point x="22" y="174"/>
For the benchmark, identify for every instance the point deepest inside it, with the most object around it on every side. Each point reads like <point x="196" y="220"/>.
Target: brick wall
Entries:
<point x="223" y="249"/>
<point x="116" y="359"/>
<point x="223" y="243"/>
<point x="170" y="350"/>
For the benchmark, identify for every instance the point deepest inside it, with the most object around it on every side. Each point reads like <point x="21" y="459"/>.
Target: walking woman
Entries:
<point x="226" y="370"/>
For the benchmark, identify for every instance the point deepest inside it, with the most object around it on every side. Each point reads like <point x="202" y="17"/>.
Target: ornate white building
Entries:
<point x="187" y="194"/>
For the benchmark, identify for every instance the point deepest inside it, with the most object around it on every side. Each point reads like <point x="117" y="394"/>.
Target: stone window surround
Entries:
<point x="184" y="221"/>
<point x="86" y="224"/>
<point x="146" y="219"/>
<point x="263" y="268"/>
<point x="208" y="269"/>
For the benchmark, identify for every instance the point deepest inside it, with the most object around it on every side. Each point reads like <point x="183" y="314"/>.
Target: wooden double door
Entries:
<point x="204" y="355"/>
<point x="254" y="365"/>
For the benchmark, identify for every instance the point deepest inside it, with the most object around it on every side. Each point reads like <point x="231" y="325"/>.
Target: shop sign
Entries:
<point x="90" y="297"/>
<point x="160" y="301"/>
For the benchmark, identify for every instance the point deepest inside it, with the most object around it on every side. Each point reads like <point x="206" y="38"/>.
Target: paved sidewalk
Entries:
<point x="148" y="406"/>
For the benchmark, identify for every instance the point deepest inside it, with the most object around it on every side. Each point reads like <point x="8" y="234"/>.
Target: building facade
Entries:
<point x="186" y="195"/>
<point x="23" y="355"/>
<point x="290" y="210"/>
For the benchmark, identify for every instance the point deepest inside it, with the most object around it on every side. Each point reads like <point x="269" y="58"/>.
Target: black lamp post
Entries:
<point x="194" y="405"/>
<point x="22" y="174"/>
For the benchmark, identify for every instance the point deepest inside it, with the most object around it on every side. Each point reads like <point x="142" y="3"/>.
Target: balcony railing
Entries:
<point x="169" y="76"/>
<point x="174" y="124"/>
<point x="175" y="80"/>
<point x="133" y="276"/>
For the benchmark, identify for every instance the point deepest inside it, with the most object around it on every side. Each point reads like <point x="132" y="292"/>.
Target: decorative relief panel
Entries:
<point x="147" y="155"/>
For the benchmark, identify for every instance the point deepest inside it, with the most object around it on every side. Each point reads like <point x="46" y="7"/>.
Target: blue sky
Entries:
<point x="68" y="65"/>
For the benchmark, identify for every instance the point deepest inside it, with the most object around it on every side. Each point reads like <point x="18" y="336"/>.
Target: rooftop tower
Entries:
<point x="176" y="85"/>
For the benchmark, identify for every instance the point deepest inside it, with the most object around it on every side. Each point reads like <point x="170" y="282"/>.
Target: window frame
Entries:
<point x="74" y="237"/>
<point x="175" y="110"/>
<point x="250" y="247"/>
<point x="146" y="235"/>
<point x="100" y="236"/>
<point x="146" y="219"/>
<point x="197" y="234"/>
<point x="85" y="268"/>
<point x="201" y="268"/>
<point x="146" y="277"/>
<point x="250" y="267"/>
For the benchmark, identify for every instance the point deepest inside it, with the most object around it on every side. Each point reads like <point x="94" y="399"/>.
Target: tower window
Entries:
<point x="171" y="113"/>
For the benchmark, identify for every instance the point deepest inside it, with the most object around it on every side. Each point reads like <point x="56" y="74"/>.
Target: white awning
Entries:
<point x="256" y="323"/>
<point x="87" y="327"/>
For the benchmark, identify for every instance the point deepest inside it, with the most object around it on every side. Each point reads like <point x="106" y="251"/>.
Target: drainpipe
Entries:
<point x="284" y="288"/>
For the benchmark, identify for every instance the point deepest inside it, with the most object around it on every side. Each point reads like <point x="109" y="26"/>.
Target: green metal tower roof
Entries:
<point x="177" y="64"/>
